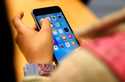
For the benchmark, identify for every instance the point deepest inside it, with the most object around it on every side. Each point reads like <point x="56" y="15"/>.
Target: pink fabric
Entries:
<point x="111" y="50"/>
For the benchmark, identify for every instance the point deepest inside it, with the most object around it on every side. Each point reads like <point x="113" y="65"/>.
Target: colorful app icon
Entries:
<point x="41" y="20"/>
<point x="66" y="29"/>
<point x="63" y="37"/>
<point x="48" y="18"/>
<point x="54" y="32"/>
<point x="57" y="24"/>
<point x="67" y="44"/>
<point x="58" y="39"/>
<point x="53" y="42"/>
<point x="51" y="25"/>
<point x="60" y="31"/>
<point x="70" y="36"/>
<point x="55" y="47"/>
<point x="59" y="16"/>
<point x="73" y="43"/>
<point x="61" y="45"/>
<point x="53" y="18"/>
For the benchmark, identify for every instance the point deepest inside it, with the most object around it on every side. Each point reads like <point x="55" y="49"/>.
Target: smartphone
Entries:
<point x="64" y="40"/>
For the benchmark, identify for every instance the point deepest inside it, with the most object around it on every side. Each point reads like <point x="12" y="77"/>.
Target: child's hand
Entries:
<point x="36" y="46"/>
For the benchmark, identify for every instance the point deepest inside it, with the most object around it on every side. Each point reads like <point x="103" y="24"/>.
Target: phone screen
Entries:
<point x="64" y="41"/>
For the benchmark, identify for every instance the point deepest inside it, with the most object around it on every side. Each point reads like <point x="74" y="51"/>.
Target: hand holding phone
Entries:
<point x="35" y="49"/>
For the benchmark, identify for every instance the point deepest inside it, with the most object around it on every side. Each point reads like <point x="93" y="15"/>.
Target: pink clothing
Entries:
<point x="111" y="50"/>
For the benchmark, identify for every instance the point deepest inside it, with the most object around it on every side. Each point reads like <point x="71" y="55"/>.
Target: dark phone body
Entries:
<point x="66" y="30"/>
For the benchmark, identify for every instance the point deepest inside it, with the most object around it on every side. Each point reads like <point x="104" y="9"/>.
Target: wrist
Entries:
<point x="39" y="59"/>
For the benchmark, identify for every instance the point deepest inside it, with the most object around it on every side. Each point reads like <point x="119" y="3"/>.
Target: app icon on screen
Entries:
<point x="59" y="16"/>
<point x="70" y="36"/>
<point x="41" y="19"/>
<point x="53" y="18"/>
<point x="58" y="39"/>
<point x="67" y="44"/>
<point x="48" y="18"/>
<point x="63" y="37"/>
<point x="73" y="43"/>
<point x="61" y="45"/>
<point x="55" y="47"/>
<point x="54" y="32"/>
<point x="58" y="24"/>
<point x="51" y="25"/>
<point x="60" y="31"/>
<point x="66" y="29"/>
<point x="53" y="42"/>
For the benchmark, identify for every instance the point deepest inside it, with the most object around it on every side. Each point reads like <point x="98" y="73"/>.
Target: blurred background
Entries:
<point x="104" y="7"/>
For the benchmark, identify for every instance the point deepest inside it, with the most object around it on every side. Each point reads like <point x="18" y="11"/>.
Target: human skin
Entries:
<point x="36" y="46"/>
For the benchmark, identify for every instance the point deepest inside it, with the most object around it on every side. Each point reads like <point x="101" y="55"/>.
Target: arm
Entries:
<point x="80" y="66"/>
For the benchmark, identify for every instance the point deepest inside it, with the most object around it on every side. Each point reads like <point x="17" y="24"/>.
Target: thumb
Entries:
<point x="46" y="27"/>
